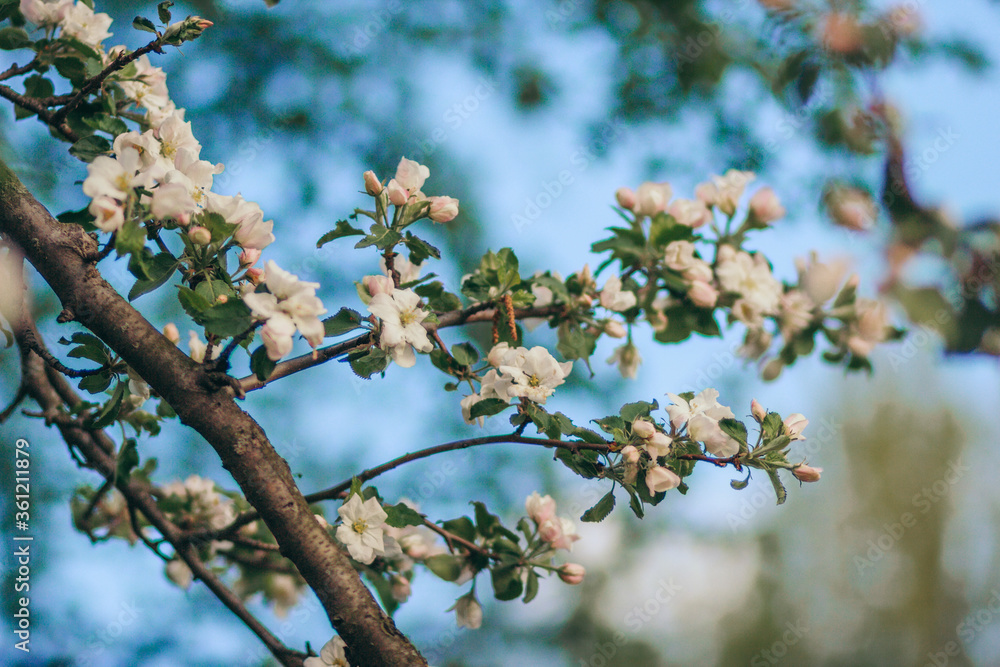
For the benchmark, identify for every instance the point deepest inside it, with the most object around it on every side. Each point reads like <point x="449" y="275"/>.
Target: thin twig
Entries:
<point x="32" y="343"/>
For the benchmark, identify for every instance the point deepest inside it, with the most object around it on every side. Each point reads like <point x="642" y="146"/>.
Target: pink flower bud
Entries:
<point x="805" y="473"/>
<point x="373" y="186"/>
<point x="630" y="454"/>
<point x="572" y="573"/>
<point x="540" y="508"/>
<point x="443" y="209"/>
<point x="615" y="329"/>
<point x="397" y="193"/>
<point x="222" y="298"/>
<point x="643" y="428"/>
<point x="660" y="479"/>
<point x="757" y="410"/>
<point x="702" y="294"/>
<point x="585" y="300"/>
<point x="200" y="236"/>
<point x="842" y="33"/>
<point x="171" y="332"/>
<point x="255" y="275"/>
<point x="249" y="257"/>
<point x="652" y="198"/>
<point x="765" y="206"/>
<point x="626" y="198"/>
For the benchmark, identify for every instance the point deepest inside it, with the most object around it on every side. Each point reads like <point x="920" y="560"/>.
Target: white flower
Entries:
<point x="626" y="198"/>
<point x="113" y="177"/>
<point x="724" y="192"/>
<point x="468" y="612"/>
<point x="702" y="294"/>
<point x="198" y="348"/>
<point x="851" y="208"/>
<point x="361" y="531"/>
<point x="870" y="328"/>
<point x="410" y="175"/>
<point x="795" y="424"/>
<point x="442" y="209"/>
<point x="43" y="13"/>
<point x="818" y="280"/>
<point x="539" y="508"/>
<point x="751" y="278"/>
<point x="175" y="134"/>
<point x="628" y="359"/>
<point x="559" y="532"/>
<point x="149" y="88"/>
<point x="702" y="414"/>
<point x="108" y="212"/>
<point x="291" y="304"/>
<point x="81" y="22"/>
<point x="331" y="655"/>
<point x="173" y="200"/>
<point x="796" y="313"/>
<point x="614" y="298"/>
<point x="680" y="255"/>
<point x="660" y="479"/>
<point x="408" y="271"/>
<point x="179" y="573"/>
<point x="534" y="373"/>
<point x="401" y="318"/>
<point x="652" y="198"/>
<point x="690" y="212"/>
<point x="283" y="590"/>
<point x="252" y="231"/>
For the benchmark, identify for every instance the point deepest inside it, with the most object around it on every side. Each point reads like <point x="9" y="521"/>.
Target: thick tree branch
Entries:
<point x="58" y="252"/>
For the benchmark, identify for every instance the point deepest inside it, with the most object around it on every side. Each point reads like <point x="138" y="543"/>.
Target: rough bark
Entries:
<point x="58" y="252"/>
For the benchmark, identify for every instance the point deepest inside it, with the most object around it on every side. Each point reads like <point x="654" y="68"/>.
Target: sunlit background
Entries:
<point x="498" y="98"/>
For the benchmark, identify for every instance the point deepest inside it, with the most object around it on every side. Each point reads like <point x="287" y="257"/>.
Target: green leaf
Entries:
<point x="261" y="364"/>
<point x="163" y="11"/>
<point x="97" y="383"/>
<point x="345" y="320"/>
<point x="131" y="238"/>
<point x="531" y="586"/>
<point x="213" y="289"/>
<point x="217" y="225"/>
<point x="739" y="484"/>
<point x="772" y="425"/>
<point x="14" y="38"/>
<point x="779" y="489"/>
<point x="734" y="428"/>
<point x="419" y="249"/>
<point x="75" y="71"/>
<point x="580" y="463"/>
<point x="379" y="236"/>
<point x="227" y="319"/>
<point x="506" y="582"/>
<point x="631" y="411"/>
<point x="601" y="510"/>
<point x="444" y="566"/>
<point x="81" y="217"/>
<point x="574" y="342"/>
<point x="109" y="412"/>
<point x="88" y="148"/>
<point x="462" y="526"/>
<point x="486" y="523"/>
<point x="342" y="229"/>
<point x="635" y="504"/>
<point x="366" y="364"/>
<point x="128" y="458"/>
<point x="465" y="354"/>
<point x="159" y="269"/>
<point x="437" y="298"/>
<point x="140" y="23"/>
<point x="402" y="515"/>
<point x="488" y="407"/>
<point x="193" y="303"/>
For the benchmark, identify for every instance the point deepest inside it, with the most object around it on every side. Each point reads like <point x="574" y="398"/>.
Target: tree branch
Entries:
<point x="59" y="254"/>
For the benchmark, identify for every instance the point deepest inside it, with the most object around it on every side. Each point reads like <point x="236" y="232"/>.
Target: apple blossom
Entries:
<point x="252" y="232"/>
<point x="870" y="327"/>
<point x="643" y="428"/>
<point x="559" y="532"/>
<point x="660" y="479"/>
<point x="43" y="13"/>
<point x="572" y="573"/>
<point x="626" y="198"/>
<point x="200" y="236"/>
<point x="794" y="425"/>
<point x="703" y="294"/>
<point x="411" y="175"/>
<point x="850" y="207"/>
<point x="796" y="313"/>
<point x="179" y="573"/>
<point x="765" y="206"/>
<point x="171" y="333"/>
<point x="468" y="612"/>
<point x="442" y="209"/>
<point x="750" y="278"/>
<point x="757" y="410"/>
<point x="402" y="331"/>
<point x="397" y="193"/>
<point x="805" y="473"/>
<point x="114" y="177"/>
<point x="630" y="454"/>
<point x="652" y="198"/>
<point x="361" y="530"/>
<point x="628" y="359"/>
<point x="173" y="200"/>
<point x="289" y="304"/>
<point x="701" y="415"/>
<point x="331" y="655"/>
<point x="82" y="23"/>
<point x="820" y="281"/>
<point x="108" y="212"/>
<point x="690" y="212"/>
<point x="724" y="191"/>
<point x="615" y="329"/>
<point x="534" y="373"/>
<point x="540" y="508"/>
<point x="613" y="297"/>
<point x="680" y="255"/>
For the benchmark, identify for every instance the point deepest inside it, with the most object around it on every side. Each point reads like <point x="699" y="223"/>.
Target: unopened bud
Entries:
<point x="200" y="236"/>
<point x="626" y="198"/>
<point x="222" y="298"/>
<point x="757" y="410"/>
<point x="171" y="332"/>
<point x="772" y="370"/>
<point x="585" y="300"/>
<point x="630" y="454"/>
<point x="373" y="186"/>
<point x="572" y="573"/>
<point x="615" y="329"/>
<point x="255" y="275"/>
<point x="643" y="428"/>
<point x="805" y="473"/>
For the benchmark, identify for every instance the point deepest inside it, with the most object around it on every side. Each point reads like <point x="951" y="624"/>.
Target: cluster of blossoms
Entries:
<point x="73" y="19"/>
<point x="518" y="373"/>
<point x="405" y="189"/>
<point x="559" y="532"/>
<point x="194" y="503"/>
<point x="289" y="304"/>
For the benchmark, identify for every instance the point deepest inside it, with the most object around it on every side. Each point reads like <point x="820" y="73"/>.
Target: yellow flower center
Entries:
<point x="407" y="317"/>
<point x="359" y="526"/>
<point x="534" y="381"/>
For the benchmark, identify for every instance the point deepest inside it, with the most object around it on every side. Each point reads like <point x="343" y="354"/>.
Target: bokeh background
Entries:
<point x="498" y="98"/>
